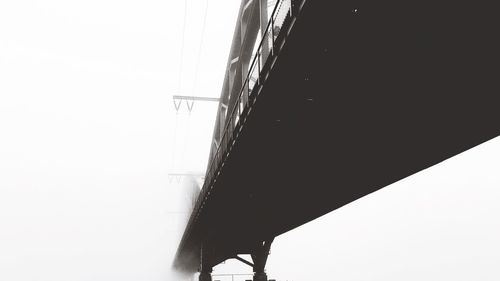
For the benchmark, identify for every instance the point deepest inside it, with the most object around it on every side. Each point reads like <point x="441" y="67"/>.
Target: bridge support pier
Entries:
<point x="259" y="257"/>
<point x="205" y="266"/>
<point x="205" y="276"/>
<point x="260" y="276"/>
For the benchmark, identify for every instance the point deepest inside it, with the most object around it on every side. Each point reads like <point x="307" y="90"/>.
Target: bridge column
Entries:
<point x="205" y="265"/>
<point x="259" y="257"/>
<point x="205" y="276"/>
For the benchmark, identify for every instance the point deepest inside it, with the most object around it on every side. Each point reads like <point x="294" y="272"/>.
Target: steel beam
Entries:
<point x="252" y="17"/>
<point x="244" y="261"/>
<point x="193" y="98"/>
<point x="190" y="101"/>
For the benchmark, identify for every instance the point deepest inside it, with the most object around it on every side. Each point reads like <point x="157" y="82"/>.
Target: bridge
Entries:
<point x="324" y="102"/>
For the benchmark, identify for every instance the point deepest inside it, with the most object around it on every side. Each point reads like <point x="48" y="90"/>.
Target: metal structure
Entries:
<point x="254" y="39"/>
<point x="178" y="99"/>
<point x="254" y="42"/>
<point x="232" y="276"/>
<point x="324" y="102"/>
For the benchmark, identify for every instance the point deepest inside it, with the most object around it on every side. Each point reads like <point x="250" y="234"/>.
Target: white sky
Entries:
<point x="88" y="134"/>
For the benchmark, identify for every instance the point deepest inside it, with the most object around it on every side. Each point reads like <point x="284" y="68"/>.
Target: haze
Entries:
<point x="89" y="134"/>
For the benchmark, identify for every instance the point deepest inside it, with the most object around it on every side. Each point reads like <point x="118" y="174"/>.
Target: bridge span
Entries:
<point x="324" y="102"/>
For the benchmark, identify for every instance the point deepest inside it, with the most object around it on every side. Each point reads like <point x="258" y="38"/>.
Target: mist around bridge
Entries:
<point x="89" y="135"/>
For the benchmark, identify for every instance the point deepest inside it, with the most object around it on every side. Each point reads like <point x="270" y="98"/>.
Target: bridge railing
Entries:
<point x="281" y="12"/>
<point x="271" y="41"/>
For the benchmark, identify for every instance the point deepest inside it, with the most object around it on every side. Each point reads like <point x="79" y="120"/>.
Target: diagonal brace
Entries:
<point x="244" y="261"/>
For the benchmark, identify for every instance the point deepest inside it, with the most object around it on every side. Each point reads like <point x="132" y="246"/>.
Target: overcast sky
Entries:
<point x="89" y="133"/>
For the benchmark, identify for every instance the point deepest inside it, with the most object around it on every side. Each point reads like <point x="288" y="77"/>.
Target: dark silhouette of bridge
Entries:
<point x="324" y="102"/>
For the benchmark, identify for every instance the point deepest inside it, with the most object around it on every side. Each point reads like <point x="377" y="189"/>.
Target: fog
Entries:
<point x="89" y="132"/>
<point x="89" y="135"/>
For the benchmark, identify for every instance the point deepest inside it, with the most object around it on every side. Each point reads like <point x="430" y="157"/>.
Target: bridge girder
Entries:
<point x="252" y="18"/>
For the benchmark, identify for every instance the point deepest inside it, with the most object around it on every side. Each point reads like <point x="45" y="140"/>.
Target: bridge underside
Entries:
<point x="363" y="94"/>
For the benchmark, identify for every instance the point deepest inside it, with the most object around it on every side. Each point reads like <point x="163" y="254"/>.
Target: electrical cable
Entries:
<point x="179" y="83"/>
<point x="195" y="83"/>
<point x="182" y="45"/>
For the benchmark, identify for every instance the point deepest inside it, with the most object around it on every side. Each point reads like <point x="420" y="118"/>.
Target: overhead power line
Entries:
<point x="182" y="45"/>
<point x="203" y="28"/>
